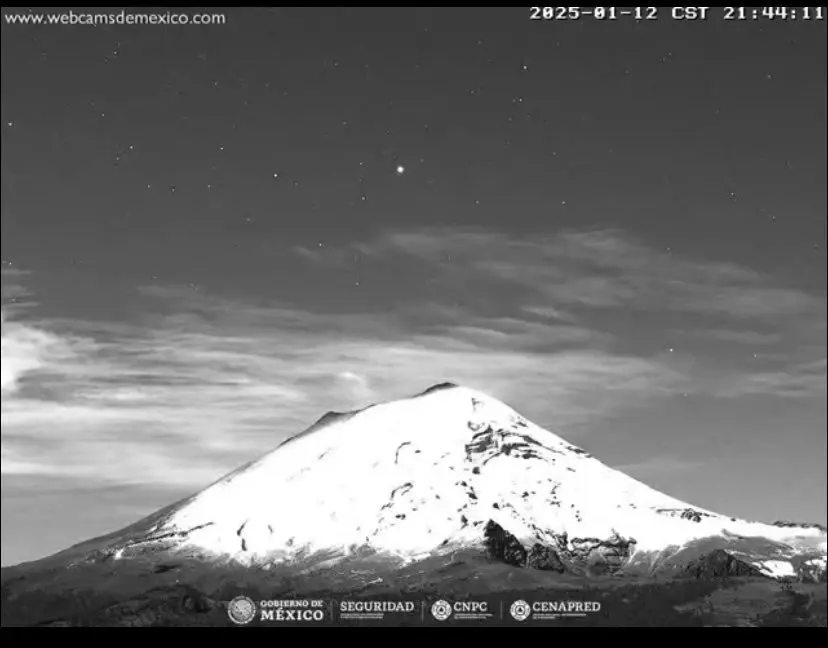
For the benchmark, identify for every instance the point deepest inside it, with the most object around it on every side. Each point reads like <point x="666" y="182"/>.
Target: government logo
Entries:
<point x="241" y="610"/>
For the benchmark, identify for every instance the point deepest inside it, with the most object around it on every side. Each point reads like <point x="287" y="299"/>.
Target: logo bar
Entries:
<point x="243" y="610"/>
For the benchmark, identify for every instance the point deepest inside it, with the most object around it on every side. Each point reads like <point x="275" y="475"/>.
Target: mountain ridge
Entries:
<point x="428" y="475"/>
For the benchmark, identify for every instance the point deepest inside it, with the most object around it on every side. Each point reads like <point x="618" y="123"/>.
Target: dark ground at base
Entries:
<point x="149" y="593"/>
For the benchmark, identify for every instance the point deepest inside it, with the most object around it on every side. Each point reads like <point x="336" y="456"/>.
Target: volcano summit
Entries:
<point x="414" y="486"/>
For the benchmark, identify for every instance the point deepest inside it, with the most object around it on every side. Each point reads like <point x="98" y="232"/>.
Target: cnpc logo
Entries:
<point x="443" y="610"/>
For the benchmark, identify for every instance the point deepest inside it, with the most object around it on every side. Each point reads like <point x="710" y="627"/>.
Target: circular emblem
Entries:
<point x="441" y="610"/>
<point x="520" y="611"/>
<point x="241" y="610"/>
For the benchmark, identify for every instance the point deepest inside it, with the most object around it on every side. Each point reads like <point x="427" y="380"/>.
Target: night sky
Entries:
<point x="211" y="235"/>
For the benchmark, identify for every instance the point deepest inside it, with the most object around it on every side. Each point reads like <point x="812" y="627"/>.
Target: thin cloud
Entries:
<point x="26" y="349"/>
<point x="804" y="380"/>
<point x="15" y="295"/>
<point x="201" y="383"/>
<point x="204" y="383"/>
<point x="594" y="280"/>
<point x="597" y="269"/>
<point x="733" y="336"/>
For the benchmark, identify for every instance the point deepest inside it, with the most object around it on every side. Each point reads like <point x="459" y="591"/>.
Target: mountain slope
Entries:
<point x="448" y="470"/>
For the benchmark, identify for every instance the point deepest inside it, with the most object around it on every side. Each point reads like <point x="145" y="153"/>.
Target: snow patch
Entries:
<point x="777" y="569"/>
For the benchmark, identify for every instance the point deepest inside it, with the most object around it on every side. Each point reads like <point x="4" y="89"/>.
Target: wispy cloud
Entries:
<point x="737" y="336"/>
<point x="13" y="286"/>
<point x="598" y="280"/>
<point x="599" y="269"/>
<point x="795" y="380"/>
<point x="188" y="395"/>
<point x="203" y="382"/>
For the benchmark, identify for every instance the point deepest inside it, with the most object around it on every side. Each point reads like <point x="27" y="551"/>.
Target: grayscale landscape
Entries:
<point x="414" y="316"/>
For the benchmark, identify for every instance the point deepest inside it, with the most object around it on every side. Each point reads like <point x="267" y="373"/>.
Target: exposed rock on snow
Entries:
<point x="503" y="546"/>
<point x="720" y="564"/>
<point x="545" y="559"/>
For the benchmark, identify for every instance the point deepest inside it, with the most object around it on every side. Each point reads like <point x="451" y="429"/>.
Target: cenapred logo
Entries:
<point x="520" y="610"/>
<point x="241" y="610"/>
<point x="441" y="610"/>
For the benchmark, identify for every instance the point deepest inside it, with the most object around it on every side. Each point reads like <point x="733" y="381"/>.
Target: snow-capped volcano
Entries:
<point x="446" y="470"/>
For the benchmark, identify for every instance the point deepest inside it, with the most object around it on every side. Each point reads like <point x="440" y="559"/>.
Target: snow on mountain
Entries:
<point x="443" y="471"/>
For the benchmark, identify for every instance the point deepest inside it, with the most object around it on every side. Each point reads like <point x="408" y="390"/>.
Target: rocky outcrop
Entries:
<point x="591" y="555"/>
<point x="692" y="515"/>
<point x="783" y="524"/>
<point x="813" y="571"/>
<point x="438" y="388"/>
<point x="598" y="555"/>
<point x="685" y="514"/>
<point x="545" y="559"/>
<point x="502" y="546"/>
<point x="719" y="564"/>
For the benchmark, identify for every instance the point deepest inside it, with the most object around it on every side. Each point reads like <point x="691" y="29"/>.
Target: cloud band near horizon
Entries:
<point x="568" y="328"/>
